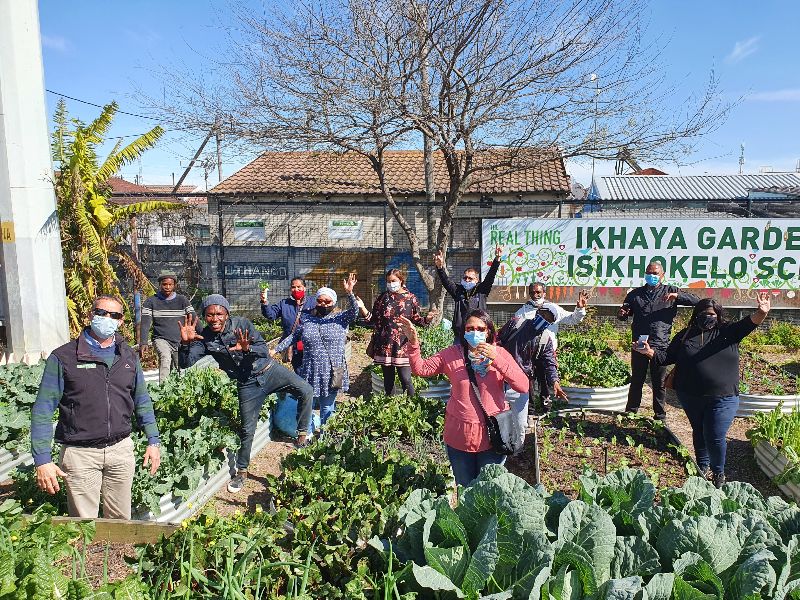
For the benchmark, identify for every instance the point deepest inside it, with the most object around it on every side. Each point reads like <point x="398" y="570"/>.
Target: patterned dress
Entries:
<point x="323" y="347"/>
<point x="390" y="343"/>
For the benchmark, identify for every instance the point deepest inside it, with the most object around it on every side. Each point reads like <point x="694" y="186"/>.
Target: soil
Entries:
<point x="102" y="556"/>
<point x="570" y="443"/>
<point x="768" y="376"/>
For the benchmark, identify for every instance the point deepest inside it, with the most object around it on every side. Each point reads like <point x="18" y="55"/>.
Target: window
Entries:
<point x="201" y="232"/>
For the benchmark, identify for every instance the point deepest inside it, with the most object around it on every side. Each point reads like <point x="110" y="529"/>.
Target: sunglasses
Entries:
<point x="102" y="312"/>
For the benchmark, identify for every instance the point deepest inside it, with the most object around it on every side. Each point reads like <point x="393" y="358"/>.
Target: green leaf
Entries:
<point x="660" y="586"/>
<point x="693" y="570"/>
<point x="431" y="579"/>
<point x="591" y="528"/>
<point x="451" y="562"/>
<point x="754" y="577"/>
<point x="483" y="560"/>
<point x="634" y="556"/>
<point x="620" y="589"/>
<point x="714" y="539"/>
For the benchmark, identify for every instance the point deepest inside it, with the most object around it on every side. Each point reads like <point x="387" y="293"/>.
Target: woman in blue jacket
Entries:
<point x="289" y="310"/>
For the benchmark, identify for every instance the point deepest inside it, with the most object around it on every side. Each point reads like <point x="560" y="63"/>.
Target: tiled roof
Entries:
<point x="691" y="187"/>
<point x="781" y="191"/>
<point x="323" y="173"/>
<point x="138" y="193"/>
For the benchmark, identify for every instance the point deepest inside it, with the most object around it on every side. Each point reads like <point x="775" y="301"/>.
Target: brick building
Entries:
<point x="321" y="215"/>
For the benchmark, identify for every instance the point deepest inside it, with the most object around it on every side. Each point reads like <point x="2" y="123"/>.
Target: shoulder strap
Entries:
<point x="297" y="316"/>
<point x="474" y="382"/>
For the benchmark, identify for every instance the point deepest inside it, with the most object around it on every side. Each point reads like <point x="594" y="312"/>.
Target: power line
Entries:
<point x="122" y="112"/>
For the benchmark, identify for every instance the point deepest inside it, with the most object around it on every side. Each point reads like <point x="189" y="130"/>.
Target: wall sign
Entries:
<point x="247" y="270"/>
<point x="249" y="231"/>
<point x="343" y="229"/>
<point x="744" y="254"/>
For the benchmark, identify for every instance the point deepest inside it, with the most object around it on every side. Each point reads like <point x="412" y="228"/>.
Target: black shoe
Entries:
<point x="236" y="484"/>
<point x="705" y="473"/>
<point x="661" y="418"/>
<point x="718" y="479"/>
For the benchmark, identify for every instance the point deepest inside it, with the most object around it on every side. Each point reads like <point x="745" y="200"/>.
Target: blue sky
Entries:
<point x="100" y="51"/>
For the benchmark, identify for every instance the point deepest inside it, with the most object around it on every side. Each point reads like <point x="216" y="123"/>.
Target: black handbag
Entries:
<point x="503" y="428"/>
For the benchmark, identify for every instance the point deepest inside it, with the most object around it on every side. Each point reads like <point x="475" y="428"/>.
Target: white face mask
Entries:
<point x="537" y="302"/>
<point x="393" y="286"/>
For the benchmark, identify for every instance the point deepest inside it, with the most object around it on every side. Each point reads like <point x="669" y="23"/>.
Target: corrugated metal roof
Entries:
<point x="691" y="187"/>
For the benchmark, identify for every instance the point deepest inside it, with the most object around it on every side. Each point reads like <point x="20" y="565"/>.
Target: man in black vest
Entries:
<point x="96" y="382"/>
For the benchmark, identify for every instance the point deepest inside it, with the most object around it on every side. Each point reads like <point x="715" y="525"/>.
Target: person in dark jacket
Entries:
<point x="706" y="359"/>
<point x="470" y="293"/>
<point x="242" y="353"/>
<point x="288" y="310"/>
<point x="654" y="307"/>
<point x="530" y="342"/>
<point x="97" y="384"/>
<point x="163" y="312"/>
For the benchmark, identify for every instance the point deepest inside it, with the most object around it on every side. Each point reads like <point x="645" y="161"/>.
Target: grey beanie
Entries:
<point x="217" y="299"/>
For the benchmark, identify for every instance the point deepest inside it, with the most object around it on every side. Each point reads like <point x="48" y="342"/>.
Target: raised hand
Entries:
<point x="350" y="283"/>
<point x="189" y="329"/>
<point x="408" y="330"/>
<point x="438" y="259"/>
<point x="763" y="302"/>
<point x="263" y="296"/>
<point x="583" y="299"/>
<point x="432" y="314"/>
<point x="242" y="341"/>
<point x="671" y="297"/>
<point x="498" y="251"/>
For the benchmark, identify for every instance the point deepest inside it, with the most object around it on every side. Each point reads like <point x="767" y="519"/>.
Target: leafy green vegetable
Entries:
<point x="19" y="384"/>
<point x="586" y="360"/>
<point x="782" y="431"/>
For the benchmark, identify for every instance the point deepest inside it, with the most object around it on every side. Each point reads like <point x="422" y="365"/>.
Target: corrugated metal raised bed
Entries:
<point x="614" y="398"/>
<point x="774" y="463"/>
<point x="749" y="404"/>
<point x="175" y="510"/>
<point x="440" y="389"/>
<point x="10" y="461"/>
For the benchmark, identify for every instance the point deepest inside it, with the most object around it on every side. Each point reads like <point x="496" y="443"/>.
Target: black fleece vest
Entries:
<point x="97" y="403"/>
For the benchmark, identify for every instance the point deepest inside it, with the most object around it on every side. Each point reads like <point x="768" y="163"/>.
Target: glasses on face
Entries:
<point x="102" y="312"/>
<point x="476" y="328"/>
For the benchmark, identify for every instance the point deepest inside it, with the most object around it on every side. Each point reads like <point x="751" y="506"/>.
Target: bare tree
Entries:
<point x="497" y="86"/>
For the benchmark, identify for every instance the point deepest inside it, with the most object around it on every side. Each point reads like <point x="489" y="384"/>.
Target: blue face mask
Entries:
<point x="651" y="279"/>
<point x="104" y="327"/>
<point x="468" y="285"/>
<point x="473" y="338"/>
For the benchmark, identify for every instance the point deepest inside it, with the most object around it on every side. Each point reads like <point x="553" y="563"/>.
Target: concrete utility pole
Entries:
<point x="32" y="289"/>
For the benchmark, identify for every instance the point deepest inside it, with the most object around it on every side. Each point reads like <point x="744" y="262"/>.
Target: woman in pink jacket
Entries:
<point x="465" y="435"/>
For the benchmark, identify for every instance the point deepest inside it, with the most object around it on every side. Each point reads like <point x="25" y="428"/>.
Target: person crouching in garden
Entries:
<point x="530" y="341"/>
<point x="388" y="344"/>
<point x="243" y="354"/>
<point x="324" y="335"/>
<point x="96" y="382"/>
<point x="706" y="376"/>
<point x="465" y="433"/>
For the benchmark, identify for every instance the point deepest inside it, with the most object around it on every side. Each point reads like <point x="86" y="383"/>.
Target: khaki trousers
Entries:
<point x="167" y="358"/>
<point x="93" y="473"/>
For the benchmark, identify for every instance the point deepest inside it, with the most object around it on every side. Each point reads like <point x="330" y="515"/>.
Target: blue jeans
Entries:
<point x="327" y="404"/>
<point x="710" y="419"/>
<point x="467" y="465"/>
<point x="254" y="392"/>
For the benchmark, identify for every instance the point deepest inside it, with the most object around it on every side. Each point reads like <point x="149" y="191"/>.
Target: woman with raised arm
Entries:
<point x="388" y="342"/>
<point x="324" y="335"/>
<point x="465" y="433"/>
<point x="706" y="376"/>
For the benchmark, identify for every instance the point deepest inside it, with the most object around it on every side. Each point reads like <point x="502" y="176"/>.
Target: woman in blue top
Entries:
<point x="289" y="310"/>
<point x="324" y="334"/>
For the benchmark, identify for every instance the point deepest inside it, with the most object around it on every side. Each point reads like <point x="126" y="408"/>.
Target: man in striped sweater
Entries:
<point x="164" y="311"/>
<point x="96" y="382"/>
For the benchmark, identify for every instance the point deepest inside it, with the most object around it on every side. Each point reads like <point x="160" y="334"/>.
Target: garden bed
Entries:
<point x="765" y="385"/>
<point x="572" y="442"/>
<point x="774" y="464"/>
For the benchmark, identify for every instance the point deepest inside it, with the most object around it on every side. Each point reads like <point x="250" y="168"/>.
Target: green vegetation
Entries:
<point x="786" y="335"/>
<point x="586" y="360"/>
<point x="19" y="385"/>
<point x="781" y="431"/>
<point x="758" y="375"/>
